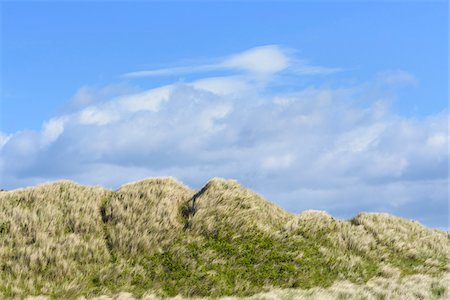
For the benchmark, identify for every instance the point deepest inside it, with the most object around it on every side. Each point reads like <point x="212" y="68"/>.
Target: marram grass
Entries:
<point x="158" y="238"/>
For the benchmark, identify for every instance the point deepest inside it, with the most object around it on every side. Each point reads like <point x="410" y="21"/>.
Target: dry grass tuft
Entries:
<point x="225" y="205"/>
<point x="407" y="288"/>
<point x="51" y="238"/>
<point x="403" y="235"/>
<point x="411" y="287"/>
<point x="145" y="216"/>
<point x="408" y="239"/>
<point x="342" y="234"/>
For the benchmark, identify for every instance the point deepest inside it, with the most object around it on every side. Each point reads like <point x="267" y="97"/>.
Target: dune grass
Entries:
<point x="409" y="287"/>
<point x="51" y="239"/>
<point x="158" y="238"/>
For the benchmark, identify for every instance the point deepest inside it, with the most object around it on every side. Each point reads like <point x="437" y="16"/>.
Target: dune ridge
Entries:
<point x="159" y="238"/>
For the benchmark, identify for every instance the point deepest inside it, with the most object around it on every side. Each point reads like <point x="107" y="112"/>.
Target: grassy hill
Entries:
<point x="158" y="238"/>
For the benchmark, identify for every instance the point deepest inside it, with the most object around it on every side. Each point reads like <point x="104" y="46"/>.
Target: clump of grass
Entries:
<point x="225" y="205"/>
<point x="409" y="287"/>
<point x="51" y="238"/>
<point x="158" y="238"/>
<point x="407" y="244"/>
<point x="144" y="216"/>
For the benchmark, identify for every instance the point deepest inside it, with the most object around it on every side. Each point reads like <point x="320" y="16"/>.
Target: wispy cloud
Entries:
<point x="264" y="60"/>
<point x="398" y="77"/>
<point x="174" y="71"/>
<point x="305" y="69"/>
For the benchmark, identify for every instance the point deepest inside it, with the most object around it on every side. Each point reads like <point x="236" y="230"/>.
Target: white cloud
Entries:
<point x="258" y="61"/>
<point x="304" y="69"/>
<point x="209" y="117"/>
<point x="310" y="148"/>
<point x="123" y="106"/>
<point x="93" y="115"/>
<point x="149" y="100"/>
<point x="274" y="162"/>
<point x="87" y="96"/>
<point x="398" y="77"/>
<point x="227" y="85"/>
<point x="174" y="71"/>
<point x="4" y="139"/>
<point x="52" y="129"/>
<point x="438" y="141"/>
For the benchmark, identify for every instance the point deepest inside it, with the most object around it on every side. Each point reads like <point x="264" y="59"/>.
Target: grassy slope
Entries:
<point x="66" y="240"/>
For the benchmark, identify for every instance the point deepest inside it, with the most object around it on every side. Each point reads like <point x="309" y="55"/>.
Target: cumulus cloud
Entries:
<point x="87" y="95"/>
<point x="4" y="139"/>
<point x="314" y="148"/>
<point x="52" y="129"/>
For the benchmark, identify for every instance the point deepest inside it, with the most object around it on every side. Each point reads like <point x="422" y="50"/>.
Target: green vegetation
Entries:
<point x="158" y="237"/>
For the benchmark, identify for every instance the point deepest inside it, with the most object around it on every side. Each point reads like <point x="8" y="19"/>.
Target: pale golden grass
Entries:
<point x="61" y="238"/>
<point x="145" y="215"/>
<point x="404" y="236"/>
<point x="345" y="245"/>
<point x="405" y="288"/>
<point x="378" y="235"/>
<point x="225" y="203"/>
<point x="344" y="234"/>
<point x="52" y="229"/>
<point x="387" y="287"/>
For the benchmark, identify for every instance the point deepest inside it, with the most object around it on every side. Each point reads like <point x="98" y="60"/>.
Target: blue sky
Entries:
<point x="337" y="106"/>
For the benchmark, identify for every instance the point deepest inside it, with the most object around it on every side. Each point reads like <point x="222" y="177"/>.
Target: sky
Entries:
<point x="337" y="106"/>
